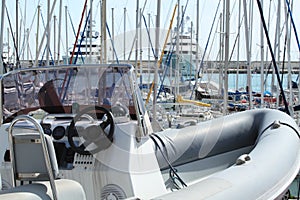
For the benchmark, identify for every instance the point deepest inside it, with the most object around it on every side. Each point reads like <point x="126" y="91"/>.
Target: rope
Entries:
<point x="173" y="172"/>
<point x="282" y="123"/>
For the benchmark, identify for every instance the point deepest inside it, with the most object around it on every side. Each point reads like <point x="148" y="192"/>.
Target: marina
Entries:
<point x="197" y="99"/>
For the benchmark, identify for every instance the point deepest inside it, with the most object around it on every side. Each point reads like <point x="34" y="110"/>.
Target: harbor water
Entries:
<point x="232" y="81"/>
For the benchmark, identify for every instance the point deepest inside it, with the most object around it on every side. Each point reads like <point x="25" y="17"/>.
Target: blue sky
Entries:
<point x="27" y="16"/>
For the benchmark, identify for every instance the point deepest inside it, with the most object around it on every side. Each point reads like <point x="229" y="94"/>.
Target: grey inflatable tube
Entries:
<point x="272" y="140"/>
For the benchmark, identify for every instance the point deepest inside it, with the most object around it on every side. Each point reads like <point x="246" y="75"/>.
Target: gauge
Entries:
<point x="47" y="129"/>
<point x="58" y="132"/>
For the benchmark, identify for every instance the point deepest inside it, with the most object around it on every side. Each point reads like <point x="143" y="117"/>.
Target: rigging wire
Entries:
<point x="293" y="24"/>
<point x="273" y="57"/>
<point x="112" y="43"/>
<point x="276" y="46"/>
<point x="236" y="38"/>
<point x="14" y="40"/>
<point x="23" y="22"/>
<point x="171" y="48"/>
<point x="201" y="64"/>
<point x="294" y="27"/>
<point x="73" y="28"/>
<point x="76" y="39"/>
<point x="214" y="37"/>
<point x="78" y="50"/>
<point x="209" y="76"/>
<point x="82" y="36"/>
<point x="46" y="45"/>
<point x="168" y="14"/>
<point x="135" y="36"/>
<point x="283" y="58"/>
<point x="170" y="53"/>
<point x="148" y="33"/>
<point x="30" y="28"/>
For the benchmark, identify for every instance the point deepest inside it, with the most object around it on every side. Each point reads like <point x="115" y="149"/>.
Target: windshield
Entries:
<point x="66" y="89"/>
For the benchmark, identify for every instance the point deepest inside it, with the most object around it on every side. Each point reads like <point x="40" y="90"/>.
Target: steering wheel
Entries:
<point x="96" y="136"/>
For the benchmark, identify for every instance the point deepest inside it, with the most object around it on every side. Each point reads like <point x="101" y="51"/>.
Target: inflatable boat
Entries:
<point x="82" y="132"/>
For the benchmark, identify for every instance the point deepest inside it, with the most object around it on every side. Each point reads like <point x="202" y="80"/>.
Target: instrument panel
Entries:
<point x="57" y="125"/>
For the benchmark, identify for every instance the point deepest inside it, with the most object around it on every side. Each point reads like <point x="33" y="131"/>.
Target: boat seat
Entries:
<point x="34" y="162"/>
<point x="29" y="158"/>
<point x="19" y="195"/>
<point x="66" y="189"/>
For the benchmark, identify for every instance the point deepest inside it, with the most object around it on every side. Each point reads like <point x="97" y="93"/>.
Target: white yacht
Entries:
<point x="88" y="47"/>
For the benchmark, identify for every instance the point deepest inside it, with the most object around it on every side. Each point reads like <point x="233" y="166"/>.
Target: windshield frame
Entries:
<point x="127" y="69"/>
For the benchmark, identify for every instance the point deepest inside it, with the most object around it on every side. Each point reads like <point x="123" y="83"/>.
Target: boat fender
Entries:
<point x="242" y="159"/>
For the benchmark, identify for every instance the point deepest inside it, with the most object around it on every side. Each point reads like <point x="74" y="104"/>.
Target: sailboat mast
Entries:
<point x="191" y="54"/>
<point x="17" y="35"/>
<point x="8" y="45"/>
<point x="278" y="46"/>
<point x="91" y="30"/>
<point x="1" y="39"/>
<point x="197" y="45"/>
<point x="249" y="83"/>
<point x="24" y="45"/>
<point x="67" y="43"/>
<point x="156" y="57"/>
<point x="177" y="52"/>
<point x="54" y="39"/>
<point x="288" y="38"/>
<point x="113" y="30"/>
<point x="227" y="30"/>
<point x="59" y="32"/>
<point x="140" y="49"/>
<point x="48" y="33"/>
<point x="124" y="35"/>
<point x="273" y="57"/>
<point x="44" y="35"/>
<point x="149" y="47"/>
<point x="238" y="49"/>
<point x="37" y="31"/>
<point x="275" y="53"/>
<point x="137" y="34"/>
<point x="1" y="53"/>
<point x="262" y="63"/>
<point x="27" y="45"/>
<point x="221" y="55"/>
<point x="103" y="32"/>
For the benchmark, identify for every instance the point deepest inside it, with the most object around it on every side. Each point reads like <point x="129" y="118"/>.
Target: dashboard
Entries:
<point x="86" y="132"/>
<point x="57" y="125"/>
